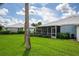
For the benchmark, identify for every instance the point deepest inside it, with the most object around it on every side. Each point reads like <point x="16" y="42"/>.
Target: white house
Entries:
<point x="15" y="27"/>
<point x="65" y="25"/>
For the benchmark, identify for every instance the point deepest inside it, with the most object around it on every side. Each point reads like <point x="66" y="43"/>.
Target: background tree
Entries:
<point x="39" y="23"/>
<point x="33" y="24"/>
<point x="0" y="28"/>
<point x="36" y="24"/>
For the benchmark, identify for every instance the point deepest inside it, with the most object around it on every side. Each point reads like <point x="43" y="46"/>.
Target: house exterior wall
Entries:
<point x="12" y="29"/>
<point x="77" y="28"/>
<point x="54" y="30"/>
<point x="68" y="29"/>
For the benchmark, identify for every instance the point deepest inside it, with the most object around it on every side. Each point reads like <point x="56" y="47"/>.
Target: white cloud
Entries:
<point x="34" y="21"/>
<point x="78" y="12"/>
<point x="7" y="21"/>
<point x="21" y="12"/>
<point x="34" y="10"/>
<point x="15" y="20"/>
<point x="23" y="9"/>
<point x="63" y="8"/>
<point x="66" y="10"/>
<point x="3" y="11"/>
<point x="47" y="14"/>
<point x="4" y="21"/>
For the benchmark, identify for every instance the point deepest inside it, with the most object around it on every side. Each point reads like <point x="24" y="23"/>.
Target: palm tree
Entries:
<point x="39" y="23"/>
<point x="33" y="24"/>
<point x="27" y="34"/>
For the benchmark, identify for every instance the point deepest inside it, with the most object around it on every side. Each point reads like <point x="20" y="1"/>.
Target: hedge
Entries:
<point x="8" y="32"/>
<point x="63" y="35"/>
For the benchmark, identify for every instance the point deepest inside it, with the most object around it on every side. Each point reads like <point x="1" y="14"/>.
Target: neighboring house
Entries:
<point x="66" y="25"/>
<point x="15" y="27"/>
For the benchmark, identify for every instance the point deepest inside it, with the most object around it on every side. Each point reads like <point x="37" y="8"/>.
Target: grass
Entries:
<point x="12" y="45"/>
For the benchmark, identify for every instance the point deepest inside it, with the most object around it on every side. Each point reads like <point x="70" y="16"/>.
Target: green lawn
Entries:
<point x="13" y="45"/>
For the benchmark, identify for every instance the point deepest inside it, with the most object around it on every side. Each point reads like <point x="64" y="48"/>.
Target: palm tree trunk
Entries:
<point x="27" y="34"/>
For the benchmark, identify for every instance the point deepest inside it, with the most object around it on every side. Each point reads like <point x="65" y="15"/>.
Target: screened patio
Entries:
<point x="50" y="31"/>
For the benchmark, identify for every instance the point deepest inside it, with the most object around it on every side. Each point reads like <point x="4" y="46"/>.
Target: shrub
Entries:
<point x="0" y="28"/>
<point x="20" y="32"/>
<point x="9" y="32"/>
<point x="63" y="35"/>
<point x="4" y="32"/>
<point x="12" y="33"/>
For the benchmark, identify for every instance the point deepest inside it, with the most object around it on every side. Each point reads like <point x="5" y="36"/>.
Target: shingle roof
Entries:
<point x="72" y="20"/>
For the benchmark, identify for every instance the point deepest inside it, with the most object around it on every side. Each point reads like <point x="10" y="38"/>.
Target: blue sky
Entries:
<point x="48" y="12"/>
<point x="12" y="11"/>
<point x="38" y="12"/>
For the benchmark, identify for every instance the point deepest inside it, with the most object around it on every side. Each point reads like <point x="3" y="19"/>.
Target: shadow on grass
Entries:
<point x="26" y="52"/>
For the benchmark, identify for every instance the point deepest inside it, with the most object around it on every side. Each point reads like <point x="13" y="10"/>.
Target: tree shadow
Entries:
<point x="26" y="52"/>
